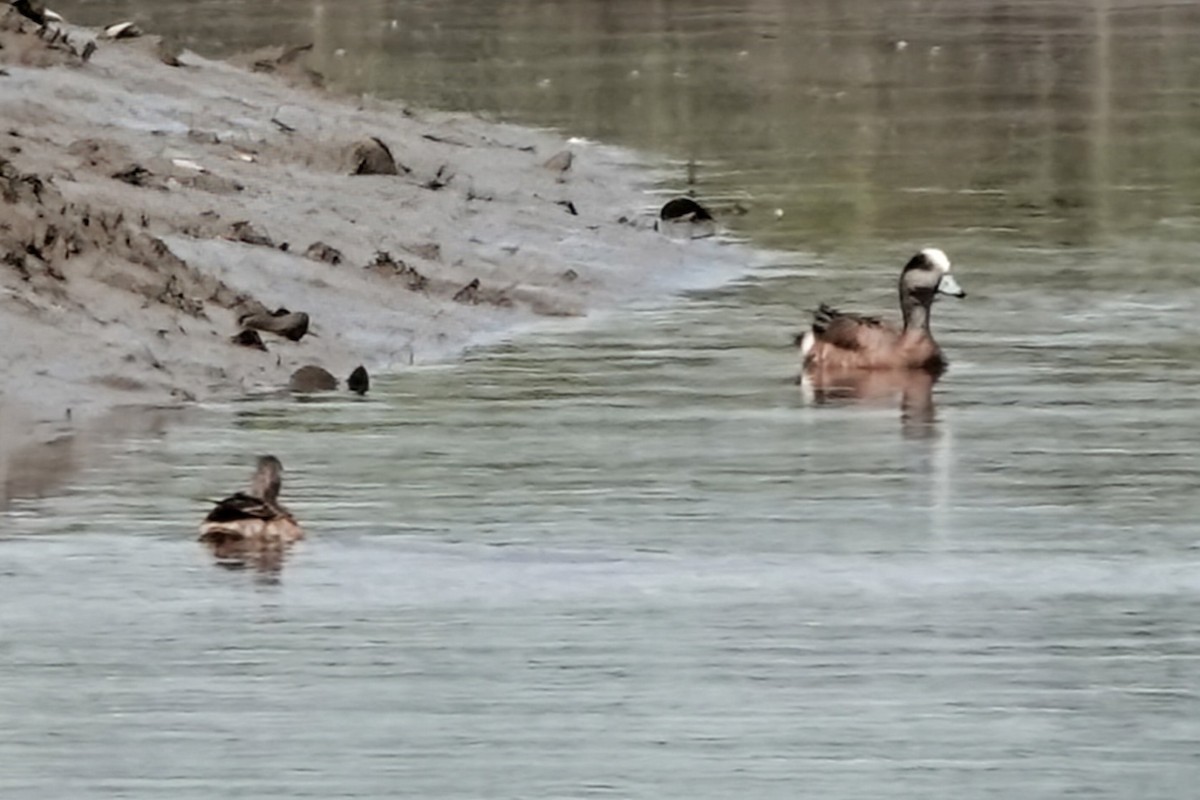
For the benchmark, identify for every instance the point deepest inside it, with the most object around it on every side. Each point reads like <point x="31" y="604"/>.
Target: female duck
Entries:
<point x="253" y="520"/>
<point x="842" y="341"/>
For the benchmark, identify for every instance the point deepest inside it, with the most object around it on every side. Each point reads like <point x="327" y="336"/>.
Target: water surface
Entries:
<point x="631" y="558"/>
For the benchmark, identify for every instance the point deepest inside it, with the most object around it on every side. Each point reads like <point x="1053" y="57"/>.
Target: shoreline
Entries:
<point x="147" y="207"/>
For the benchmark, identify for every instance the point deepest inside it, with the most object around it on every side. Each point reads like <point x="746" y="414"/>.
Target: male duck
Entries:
<point x="252" y="521"/>
<point x="842" y="341"/>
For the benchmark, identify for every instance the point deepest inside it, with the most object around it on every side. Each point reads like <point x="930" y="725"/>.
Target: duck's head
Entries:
<point x="926" y="275"/>
<point x="268" y="478"/>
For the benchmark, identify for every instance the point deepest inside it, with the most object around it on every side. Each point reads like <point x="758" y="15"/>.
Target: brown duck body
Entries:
<point x="841" y="341"/>
<point x="253" y="521"/>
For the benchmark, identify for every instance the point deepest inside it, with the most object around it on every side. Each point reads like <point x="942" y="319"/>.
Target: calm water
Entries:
<point x="631" y="559"/>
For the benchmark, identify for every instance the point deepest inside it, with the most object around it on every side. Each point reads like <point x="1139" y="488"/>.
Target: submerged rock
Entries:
<point x="684" y="209"/>
<point x="359" y="381"/>
<point x="311" y="378"/>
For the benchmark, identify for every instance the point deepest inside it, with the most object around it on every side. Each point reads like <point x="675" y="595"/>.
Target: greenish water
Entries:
<point x="631" y="558"/>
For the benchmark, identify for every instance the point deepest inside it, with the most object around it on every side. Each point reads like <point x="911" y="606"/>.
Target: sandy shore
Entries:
<point x="146" y="208"/>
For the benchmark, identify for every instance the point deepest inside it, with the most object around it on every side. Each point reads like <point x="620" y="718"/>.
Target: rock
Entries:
<point x="288" y="324"/>
<point x="468" y="293"/>
<point x="684" y="209"/>
<point x="312" y="378"/>
<point x="384" y="264"/>
<point x="319" y="251"/>
<point x="134" y="175"/>
<point x="560" y="162"/>
<point x="359" y="382"/>
<point x="168" y="51"/>
<point x="34" y="10"/>
<point x="248" y="338"/>
<point x="26" y="37"/>
<point x="373" y="157"/>
<point x="243" y="231"/>
<point x="121" y="30"/>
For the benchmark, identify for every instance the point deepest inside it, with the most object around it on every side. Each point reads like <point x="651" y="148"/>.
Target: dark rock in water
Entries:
<point x="359" y="381"/>
<point x="373" y="157"/>
<point x="249" y="338"/>
<point x="319" y="251"/>
<point x="312" y="378"/>
<point x="684" y="209"/>
<point x="289" y="324"/>
<point x="469" y="293"/>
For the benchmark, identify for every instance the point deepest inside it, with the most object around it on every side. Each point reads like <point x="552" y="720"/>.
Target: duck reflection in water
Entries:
<point x="853" y="357"/>
<point x="911" y="389"/>
<point x="252" y="527"/>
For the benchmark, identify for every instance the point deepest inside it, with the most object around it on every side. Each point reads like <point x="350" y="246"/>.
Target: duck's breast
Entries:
<point x="920" y="351"/>
<point x="284" y="530"/>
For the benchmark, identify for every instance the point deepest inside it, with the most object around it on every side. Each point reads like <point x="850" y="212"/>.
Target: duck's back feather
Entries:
<point x="241" y="506"/>
<point x="243" y="517"/>
<point x="843" y="340"/>
<point x="855" y="332"/>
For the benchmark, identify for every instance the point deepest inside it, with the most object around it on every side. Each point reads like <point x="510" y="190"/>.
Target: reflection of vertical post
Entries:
<point x="1076" y="114"/>
<point x="1102" y="114"/>
<point x="319" y="33"/>
<point x="941" y="494"/>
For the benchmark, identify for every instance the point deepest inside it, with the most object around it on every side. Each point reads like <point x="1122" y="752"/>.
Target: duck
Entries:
<point x="842" y="341"/>
<point x="254" y="520"/>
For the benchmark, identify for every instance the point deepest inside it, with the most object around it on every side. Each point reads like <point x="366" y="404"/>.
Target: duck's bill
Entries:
<point x="947" y="285"/>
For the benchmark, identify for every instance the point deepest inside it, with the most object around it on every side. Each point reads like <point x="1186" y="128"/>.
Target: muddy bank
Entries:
<point x="151" y="212"/>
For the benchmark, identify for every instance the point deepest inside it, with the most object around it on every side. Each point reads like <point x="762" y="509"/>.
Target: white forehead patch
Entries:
<point x="937" y="258"/>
